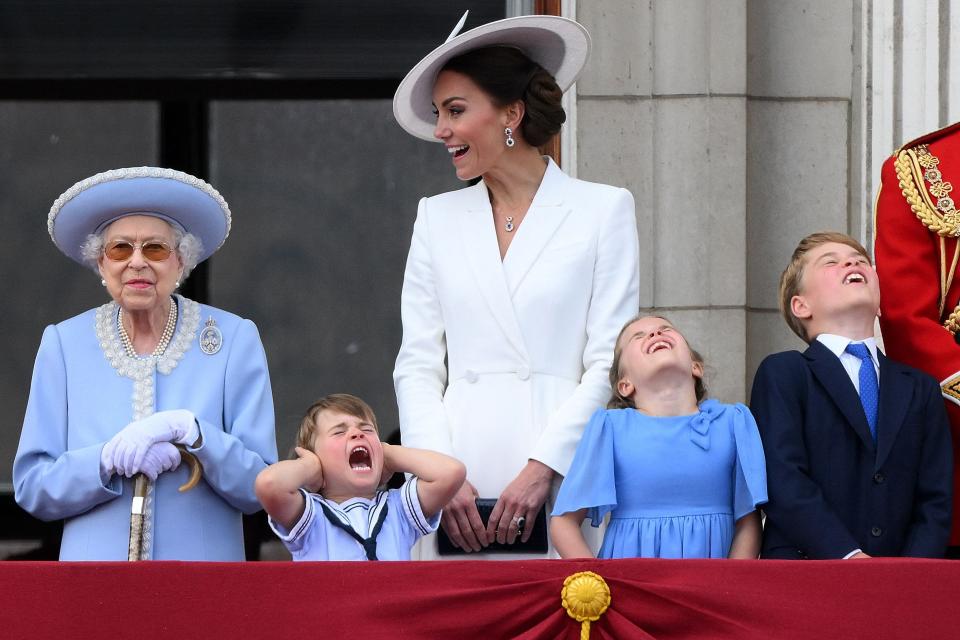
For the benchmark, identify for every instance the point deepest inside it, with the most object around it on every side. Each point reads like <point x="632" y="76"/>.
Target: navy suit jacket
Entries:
<point x="830" y="489"/>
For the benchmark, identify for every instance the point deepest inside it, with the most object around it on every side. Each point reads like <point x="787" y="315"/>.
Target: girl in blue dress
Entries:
<point x="680" y="476"/>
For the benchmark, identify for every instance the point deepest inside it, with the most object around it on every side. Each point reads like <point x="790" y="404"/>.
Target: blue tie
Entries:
<point x="869" y="388"/>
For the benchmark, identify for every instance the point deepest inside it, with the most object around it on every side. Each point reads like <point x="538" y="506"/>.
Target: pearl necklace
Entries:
<point x="165" y="337"/>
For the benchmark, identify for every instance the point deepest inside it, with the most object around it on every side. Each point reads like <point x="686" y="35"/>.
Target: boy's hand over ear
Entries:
<point x="388" y="467"/>
<point x="313" y="470"/>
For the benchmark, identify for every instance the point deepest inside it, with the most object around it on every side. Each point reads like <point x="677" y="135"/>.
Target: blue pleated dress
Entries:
<point x="674" y="486"/>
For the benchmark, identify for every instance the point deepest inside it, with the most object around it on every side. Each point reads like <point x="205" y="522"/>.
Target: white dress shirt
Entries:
<point x="851" y="363"/>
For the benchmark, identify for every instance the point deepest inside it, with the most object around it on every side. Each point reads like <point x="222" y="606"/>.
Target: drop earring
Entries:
<point x="508" y="134"/>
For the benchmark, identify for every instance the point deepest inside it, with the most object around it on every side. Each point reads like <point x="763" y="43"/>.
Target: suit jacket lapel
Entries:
<point x="826" y="367"/>
<point x="895" y="393"/>
<point x="479" y="242"/>
<point x="547" y="212"/>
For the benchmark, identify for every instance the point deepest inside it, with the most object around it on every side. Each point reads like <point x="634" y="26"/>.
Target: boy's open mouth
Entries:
<point x="360" y="459"/>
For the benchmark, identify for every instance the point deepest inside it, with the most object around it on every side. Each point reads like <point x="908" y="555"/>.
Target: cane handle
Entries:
<point x="196" y="469"/>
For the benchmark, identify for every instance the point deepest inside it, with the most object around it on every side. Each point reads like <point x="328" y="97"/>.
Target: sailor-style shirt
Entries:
<point x="391" y="523"/>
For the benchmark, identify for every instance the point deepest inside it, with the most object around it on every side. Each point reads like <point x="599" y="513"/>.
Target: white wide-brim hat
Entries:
<point x="181" y="199"/>
<point x="559" y="45"/>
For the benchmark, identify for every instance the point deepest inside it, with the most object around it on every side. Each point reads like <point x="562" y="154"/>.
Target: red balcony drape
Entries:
<point x="467" y="599"/>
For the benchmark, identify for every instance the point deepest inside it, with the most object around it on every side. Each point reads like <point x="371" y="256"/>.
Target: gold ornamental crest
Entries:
<point x="585" y="596"/>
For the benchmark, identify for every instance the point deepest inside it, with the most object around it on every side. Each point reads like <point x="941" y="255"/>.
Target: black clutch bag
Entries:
<point x="536" y="544"/>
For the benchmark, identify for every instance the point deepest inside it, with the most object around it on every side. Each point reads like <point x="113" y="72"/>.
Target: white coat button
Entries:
<point x="471" y="376"/>
<point x="523" y="373"/>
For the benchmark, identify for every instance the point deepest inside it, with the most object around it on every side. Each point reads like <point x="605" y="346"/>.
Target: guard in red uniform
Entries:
<point x="916" y="232"/>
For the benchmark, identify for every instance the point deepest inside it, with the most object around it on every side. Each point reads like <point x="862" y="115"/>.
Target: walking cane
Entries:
<point x="140" y="484"/>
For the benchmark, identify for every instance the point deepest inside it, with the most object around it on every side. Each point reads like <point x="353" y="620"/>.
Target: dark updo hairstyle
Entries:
<point x="507" y="75"/>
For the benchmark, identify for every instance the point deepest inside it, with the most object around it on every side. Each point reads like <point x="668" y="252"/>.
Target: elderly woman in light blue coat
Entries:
<point x="118" y="388"/>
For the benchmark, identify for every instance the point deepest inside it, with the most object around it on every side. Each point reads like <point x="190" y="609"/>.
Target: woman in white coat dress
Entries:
<point x="515" y="288"/>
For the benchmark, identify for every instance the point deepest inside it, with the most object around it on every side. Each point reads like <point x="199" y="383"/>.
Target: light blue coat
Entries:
<point x="85" y="389"/>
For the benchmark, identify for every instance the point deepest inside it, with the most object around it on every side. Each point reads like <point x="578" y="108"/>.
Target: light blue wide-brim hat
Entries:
<point x="559" y="45"/>
<point x="181" y="199"/>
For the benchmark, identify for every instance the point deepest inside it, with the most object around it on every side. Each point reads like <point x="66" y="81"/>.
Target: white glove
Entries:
<point x="159" y="458"/>
<point x="124" y="453"/>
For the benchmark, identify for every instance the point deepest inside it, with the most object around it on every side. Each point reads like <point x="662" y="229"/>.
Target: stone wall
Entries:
<point x="731" y="123"/>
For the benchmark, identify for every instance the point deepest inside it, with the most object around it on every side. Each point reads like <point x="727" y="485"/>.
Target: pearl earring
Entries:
<point x="508" y="133"/>
<point x="177" y="285"/>
<point x="103" y="282"/>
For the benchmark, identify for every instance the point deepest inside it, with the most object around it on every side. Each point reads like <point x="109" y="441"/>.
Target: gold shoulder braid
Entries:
<point x="952" y="323"/>
<point x="916" y="167"/>
<point x="913" y="167"/>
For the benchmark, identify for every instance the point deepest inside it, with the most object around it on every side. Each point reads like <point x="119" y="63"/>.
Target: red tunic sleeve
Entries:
<point x="914" y="264"/>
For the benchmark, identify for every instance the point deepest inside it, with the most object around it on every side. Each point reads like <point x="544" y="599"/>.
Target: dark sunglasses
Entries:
<point x="152" y="250"/>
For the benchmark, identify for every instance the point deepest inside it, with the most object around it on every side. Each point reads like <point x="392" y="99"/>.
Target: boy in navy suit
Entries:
<point x="858" y="447"/>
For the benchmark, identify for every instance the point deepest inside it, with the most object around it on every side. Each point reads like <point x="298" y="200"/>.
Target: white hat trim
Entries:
<point x="138" y="172"/>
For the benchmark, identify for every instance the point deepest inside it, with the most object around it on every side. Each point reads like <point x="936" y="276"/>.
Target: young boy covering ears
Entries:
<point x="325" y="503"/>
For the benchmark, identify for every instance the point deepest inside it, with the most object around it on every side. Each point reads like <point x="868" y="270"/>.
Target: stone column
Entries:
<point x="661" y="110"/>
<point x="799" y="147"/>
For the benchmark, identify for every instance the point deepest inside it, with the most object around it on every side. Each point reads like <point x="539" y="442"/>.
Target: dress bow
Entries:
<point x="710" y="410"/>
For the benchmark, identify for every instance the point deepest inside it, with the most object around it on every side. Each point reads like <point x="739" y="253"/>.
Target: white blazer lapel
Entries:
<point x="547" y="212"/>
<point x="479" y="240"/>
